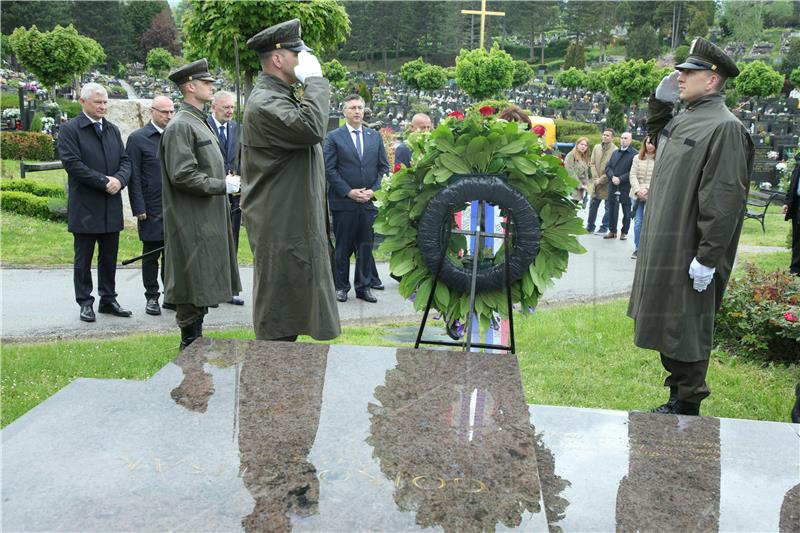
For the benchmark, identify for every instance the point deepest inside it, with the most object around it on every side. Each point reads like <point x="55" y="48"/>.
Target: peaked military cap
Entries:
<point x="283" y="36"/>
<point x="196" y="70"/>
<point x="704" y="55"/>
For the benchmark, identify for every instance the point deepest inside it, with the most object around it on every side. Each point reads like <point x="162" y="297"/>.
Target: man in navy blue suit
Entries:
<point x="221" y="121"/>
<point x="91" y="149"/>
<point x="355" y="161"/>
<point x="144" y="191"/>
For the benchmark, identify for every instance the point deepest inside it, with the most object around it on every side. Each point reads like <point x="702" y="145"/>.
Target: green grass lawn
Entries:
<point x="579" y="355"/>
<point x="776" y="229"/>
<point x="10" y="169"/>
<point x="770" y="261"/>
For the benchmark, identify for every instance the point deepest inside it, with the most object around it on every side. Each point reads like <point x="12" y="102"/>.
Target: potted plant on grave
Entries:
<point x="468" y="144"/>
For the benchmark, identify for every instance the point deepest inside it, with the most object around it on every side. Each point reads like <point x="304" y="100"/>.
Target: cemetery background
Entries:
<point x="383" y="39"/>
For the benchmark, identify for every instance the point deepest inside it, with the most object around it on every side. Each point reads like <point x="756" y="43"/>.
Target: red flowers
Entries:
<point x="397" y="167"/>
<point x="457" y="114"/>
<point x="539" y="130"/>
<point x="487" y="111"/>
<point x="790" y="317"/>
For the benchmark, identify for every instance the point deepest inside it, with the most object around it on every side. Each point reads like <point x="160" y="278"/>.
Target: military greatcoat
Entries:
<point x="199" y="258"/>
<point x="285" y="211"/>
<point x="696" y="208"/>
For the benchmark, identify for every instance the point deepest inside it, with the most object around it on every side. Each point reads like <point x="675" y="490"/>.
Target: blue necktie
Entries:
<point x="358" y="142"/>
<point x="98" y="128"/>
<point x="223" y="139"/>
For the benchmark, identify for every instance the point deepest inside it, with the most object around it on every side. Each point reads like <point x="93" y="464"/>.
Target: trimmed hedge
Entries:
<point x="26" y="145"/>
<point x="25" y="203"/>
<point x="573" y="127"/>
<point x="32" y="187"/>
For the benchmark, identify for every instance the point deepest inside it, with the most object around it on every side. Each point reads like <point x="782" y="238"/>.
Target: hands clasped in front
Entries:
<point x="361" y="196"/>
<point x="232" y="183"/>
<point x="701" y="274"/>
<point x="113" y="186"/>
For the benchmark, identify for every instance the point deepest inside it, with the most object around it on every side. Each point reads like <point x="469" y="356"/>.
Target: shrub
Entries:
<point x="573" y="127"/>
<point x="71" y="108"/>
<point x="32" y="187"/>
<point x="25" y="203"/>
<point x="760" y="317"/>
<point x="558" y="103"/>
<point x="26" y="145"/>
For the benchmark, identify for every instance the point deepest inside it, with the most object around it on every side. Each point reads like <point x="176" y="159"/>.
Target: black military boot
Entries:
<point x="667" y="407"/>
<point x="191" y="333"/>
<point x="796" y="408"/>
<point x="686" y="408"/>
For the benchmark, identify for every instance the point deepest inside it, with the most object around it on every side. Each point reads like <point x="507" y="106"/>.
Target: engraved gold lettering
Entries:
<point x="132" y="465"/>
<point x="415" y="481"/>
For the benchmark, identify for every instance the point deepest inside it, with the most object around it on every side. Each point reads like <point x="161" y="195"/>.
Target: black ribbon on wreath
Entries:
<point x="522" y="236"/>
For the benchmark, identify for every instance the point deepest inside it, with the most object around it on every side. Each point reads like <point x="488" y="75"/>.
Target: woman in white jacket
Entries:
<point x="641" y="173"/>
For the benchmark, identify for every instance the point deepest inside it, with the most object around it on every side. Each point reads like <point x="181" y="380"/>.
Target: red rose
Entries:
<point x="397" y="167"/>
<point x="487" y="111"/>
<point x="790" y="317"/>
<point x="539" y="130"/>
<point x="457" y="114"/>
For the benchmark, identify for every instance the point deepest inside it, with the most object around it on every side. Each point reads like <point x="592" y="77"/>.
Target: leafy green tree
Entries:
<point x="630" y="81"/>
<point x="680" y="54"/>
<point x="483" y="74"/>
<point x="57" y="56"/>
<point x="140" y="15"/>
<point x="523" y="73"/>
<point x="529" y="20"/>
<point x="795" y="77"/>
<point x="758" y="79"/>
<point x="575" y="56"/>
<point x="643" y="43"/>
<point x="106" y="23"/>
<point x="162" y="33"/>
<point x="744" y="19"/>
<point x="335" y="72"/>
<point x="409" y="71"/>
<point x="26" y="13"/>
<point x="791" y="60"/>
<point x="615" y="117"/>
<point x="596" y="80"/>
<point x="209" y="29"/>
<point x="432" y="78"/>
<point x="158" y="61"/>
<point x="572" y="78"/>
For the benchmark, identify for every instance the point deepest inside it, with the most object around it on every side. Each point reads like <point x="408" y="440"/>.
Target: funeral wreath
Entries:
<point x="478" y="144"/>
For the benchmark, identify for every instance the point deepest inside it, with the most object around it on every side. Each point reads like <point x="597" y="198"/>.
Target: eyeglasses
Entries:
<point x="165" y="111"/>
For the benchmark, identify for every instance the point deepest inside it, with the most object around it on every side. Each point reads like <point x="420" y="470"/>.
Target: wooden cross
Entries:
<point x="483" y="13"/>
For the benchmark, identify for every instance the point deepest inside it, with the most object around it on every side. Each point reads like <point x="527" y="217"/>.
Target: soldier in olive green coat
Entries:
<point x="200" y="267"/>
<point x="283" y="195"/>
<point x="692" y="224"/>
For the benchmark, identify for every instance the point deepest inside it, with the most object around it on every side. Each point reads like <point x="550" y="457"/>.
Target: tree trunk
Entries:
<point x="533" y="46"/>
<point x="543" y="45"/>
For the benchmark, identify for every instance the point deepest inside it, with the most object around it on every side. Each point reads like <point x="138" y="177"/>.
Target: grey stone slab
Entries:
<point x="259" y="436"/>
<point x="640" y="471"/>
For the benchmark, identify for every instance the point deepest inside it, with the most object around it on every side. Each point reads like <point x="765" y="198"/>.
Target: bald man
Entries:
<point x="402" y="154"/>
<point x="144" y="191"/>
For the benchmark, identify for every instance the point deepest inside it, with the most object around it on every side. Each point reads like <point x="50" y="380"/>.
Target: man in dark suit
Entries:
<point x="221" y="121"/>
<point x="402" y="154"/>
<point x="144" y="191"/>
<point x="97" y="167"/>
<point x="618" y="172"/>
<point x="791" y="208"/>
<point x="355" y="161"/>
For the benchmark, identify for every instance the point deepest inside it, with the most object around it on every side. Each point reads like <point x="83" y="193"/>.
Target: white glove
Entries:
<point x="307" y="66"/>
<point x="232" y="183"/>
<point x="667" y="91"/>
<point x="701" y="274"/>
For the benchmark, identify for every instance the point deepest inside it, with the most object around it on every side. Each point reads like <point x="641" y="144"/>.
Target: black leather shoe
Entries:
<point x="87" y="313"/>
<point x="670" y="405"/>
<point x="378" y="287"/>
<point x="113" y="308"/>
<point x="367" y="296"/>
<point x="171" y="307"/>
<point x="236" y="301"/>
<point x="686" y="408"/>
<point x="796" y="409"/>
<point x="341" y="295"/>
<point x="152" y="307"/>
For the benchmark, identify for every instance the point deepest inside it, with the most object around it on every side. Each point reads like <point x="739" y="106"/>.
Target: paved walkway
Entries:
<point x="39" y="303"/>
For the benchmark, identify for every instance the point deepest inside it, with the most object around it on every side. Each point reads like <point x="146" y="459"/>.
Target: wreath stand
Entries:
<point x="479" y="234"/>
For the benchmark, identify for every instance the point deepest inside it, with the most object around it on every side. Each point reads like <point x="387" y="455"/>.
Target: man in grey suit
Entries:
<point x="355" y="161"/>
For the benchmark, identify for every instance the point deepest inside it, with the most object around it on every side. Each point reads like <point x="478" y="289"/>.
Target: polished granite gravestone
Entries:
<point x="258" y="436"/>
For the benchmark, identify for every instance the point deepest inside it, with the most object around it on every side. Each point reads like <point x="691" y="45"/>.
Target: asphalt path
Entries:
<point x="39" y="303"/>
